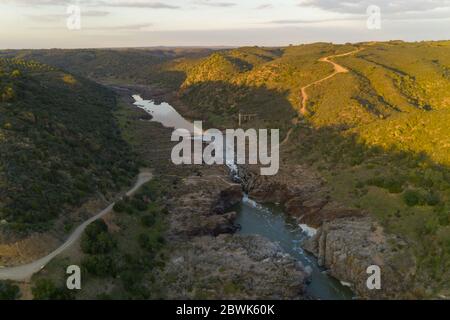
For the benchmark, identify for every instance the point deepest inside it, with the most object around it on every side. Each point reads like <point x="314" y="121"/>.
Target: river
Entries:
<point x="268" y="220"/>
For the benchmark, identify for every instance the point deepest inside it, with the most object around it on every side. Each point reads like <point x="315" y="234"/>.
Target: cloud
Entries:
<point x="38" y="2"/>
<point x="304" y="21"/>
<point x="130" y="27"/>
<point x="56" y="17"/>
<point x="213" y="3"/>
<point x="137" y="4"/>
<point x="387" y="6"/>
<point x="124" y="3"/>
<point x="264" y="6"/>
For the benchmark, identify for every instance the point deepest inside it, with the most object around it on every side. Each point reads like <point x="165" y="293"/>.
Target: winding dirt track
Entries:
<point x="24" y="272"/>
<point x="337" y="69"/>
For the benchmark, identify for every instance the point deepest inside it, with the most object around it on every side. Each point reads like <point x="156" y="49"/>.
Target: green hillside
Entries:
<point x="59" y="144"/>
<point x="378" y="133"/>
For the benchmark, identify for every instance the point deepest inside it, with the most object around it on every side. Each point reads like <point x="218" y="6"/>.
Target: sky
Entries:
<point x="141" y="23"/>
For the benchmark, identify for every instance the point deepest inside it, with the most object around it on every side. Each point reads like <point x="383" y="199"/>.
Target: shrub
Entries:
<point x="99" y="265"/>
<point x="120" y="206"/>
<point x="148" y="220"/>
<point x="45" y="289"/>
<point x="151" y="244"/>
<point x="9" y="291"/>
<point x="394" y="186"/>
<point x="412" y="197"/>
<point x="96" y="239"/>
<point x="432" y="198"/>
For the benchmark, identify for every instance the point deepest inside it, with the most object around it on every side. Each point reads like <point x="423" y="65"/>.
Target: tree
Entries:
<point x="96" y="239"/>
<point x="100" y="265"/>
<point x="412" y="197"/>
<point x="45" y="289"/>
<point x="9" y="291"/>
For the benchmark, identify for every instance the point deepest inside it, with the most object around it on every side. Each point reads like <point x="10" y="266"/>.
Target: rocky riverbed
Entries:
<point x="211" y="261"/>
<point x="347" y="241"/>
<point x="207" y="258"/>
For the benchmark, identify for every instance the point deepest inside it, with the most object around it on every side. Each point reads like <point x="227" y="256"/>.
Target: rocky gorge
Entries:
<point x="210" y="261"/>
<point x="347" y="240"/>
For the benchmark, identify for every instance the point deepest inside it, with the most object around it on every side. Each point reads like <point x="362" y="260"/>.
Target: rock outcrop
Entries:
<point x="210" y="260"/>
<point x="346" y="247"/>
<point x="234" y="267"/>
<point x="204" y="206"/>
<point x="302" y="193"/>
<point x="347" y="241"/>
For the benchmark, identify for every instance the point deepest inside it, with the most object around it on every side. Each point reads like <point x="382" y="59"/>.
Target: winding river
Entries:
<point x="268" y="220"/>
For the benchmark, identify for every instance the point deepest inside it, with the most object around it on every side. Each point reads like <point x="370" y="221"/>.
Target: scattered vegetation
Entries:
<point x="9" y="291"/>
<point x="59" y="144"/>
<point x="378" y="134"/>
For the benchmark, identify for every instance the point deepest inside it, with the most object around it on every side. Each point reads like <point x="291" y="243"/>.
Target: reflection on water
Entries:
<point x="270" y="222"/>
<point x="164" y="113"/>
<point x="169" y="117"/>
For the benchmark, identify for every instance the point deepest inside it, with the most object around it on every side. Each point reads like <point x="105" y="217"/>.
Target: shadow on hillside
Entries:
<point x="412" y="187"/>
<point x="219" y="104"/>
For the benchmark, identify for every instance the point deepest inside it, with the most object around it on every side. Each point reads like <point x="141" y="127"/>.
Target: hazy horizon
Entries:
<point x="42" y="24"/>
<point x="217" y="47"/>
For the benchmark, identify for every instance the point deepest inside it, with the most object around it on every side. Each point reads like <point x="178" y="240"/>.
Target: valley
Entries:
<point x="364" y="160"/>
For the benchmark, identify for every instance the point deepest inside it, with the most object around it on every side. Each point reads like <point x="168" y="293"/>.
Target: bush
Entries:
<point x="151" y="244"/>
<point x="96" y="239"/>
<point x="148" y="220"/>
<point x="120" y="206"/>
<point x="394" y="186"/>
<point x="443" y="217"/>
<point x="391" y="184"/>
<point x="412" y="197"/>
<point x="45" y="289"/>
<point x="9" y="291"/>
<point x="432" y="198"/>
<point x="99" y="265"/>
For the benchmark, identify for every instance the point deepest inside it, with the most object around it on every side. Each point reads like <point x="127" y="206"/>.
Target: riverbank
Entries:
<point x="208" y="259"/>
<point x="202" y="257"/>
<point x="347" y="241"/>
<point x="303" y="195"/>
<point x="198" y="227"/>
<point x="360" y="240"/>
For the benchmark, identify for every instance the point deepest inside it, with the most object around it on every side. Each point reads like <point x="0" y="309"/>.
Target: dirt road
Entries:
<point x="337" y="69"/>
<point x="24" y="272"/>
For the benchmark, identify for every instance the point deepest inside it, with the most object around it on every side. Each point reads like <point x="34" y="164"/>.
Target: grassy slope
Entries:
<point x="395" y="163"/>
<point x="59" y="144"/>
<point x="378" y="133"/>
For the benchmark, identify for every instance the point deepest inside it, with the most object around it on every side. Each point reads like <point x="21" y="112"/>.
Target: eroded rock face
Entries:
<point x="227" y="198"/>
<point x="348" y="246"/>
<point x="204" y="206"/>
<point x="210" y="261"/>
<point x="234" y="267"/>
<point x="302" y="193"/>
<point x="347" y="241"/>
